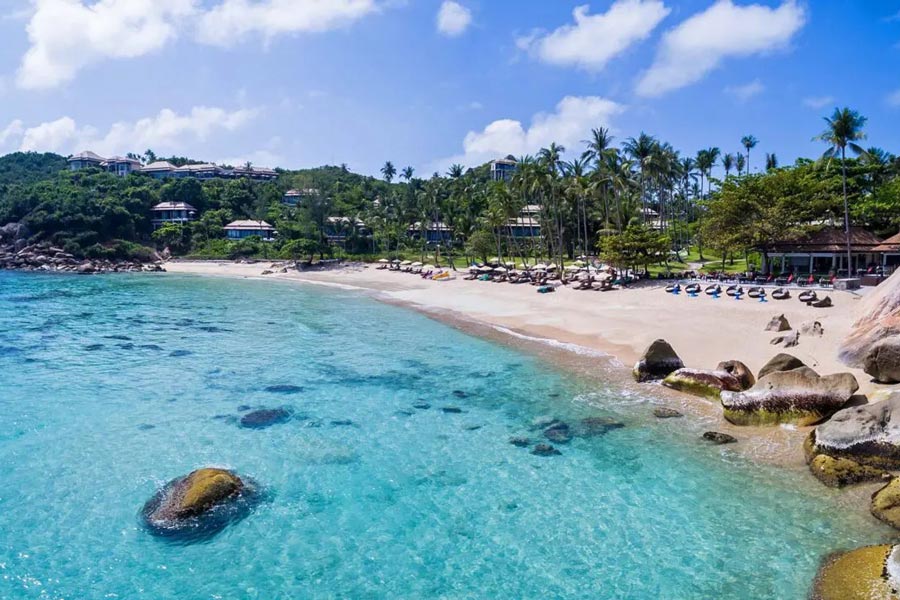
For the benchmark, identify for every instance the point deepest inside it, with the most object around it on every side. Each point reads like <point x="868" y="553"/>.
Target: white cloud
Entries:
<point x="258" y="158"/>
<point x="595" y="39"/>
<point x="233" y="20"/>
<point x="747" y="91"/>
<point x="13" y="131"/>
<point x="698" y="45"/>
<point x="894" y="99"/>
<point x="453" y="18"/>
<point x="573" y="119"/>
<point x="818" y="102"/>
<point x="67" y="35"/>
<point x="164" y="132"/>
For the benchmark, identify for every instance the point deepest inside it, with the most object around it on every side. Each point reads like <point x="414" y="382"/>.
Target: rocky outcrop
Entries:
<point x="658" y="361"/>
<point x="779" y="323"/>
<point x="869" y="435"/>
<point x="878" y="318"/>
<point x="706" y="384"/>
<point x="203" y="499"/>
<point x="781" y="362"/>
<point x="840" y="472"/>
<point x="788" y="341"/>
<point x="882" y="361"/>
<point x="47" y="258"/>
<point x="739" y="370"/>
<point x="868" y="573"/>
<point x="823" y="303"/>
<point x="799" y="396"/>
<point x="666" y="413"/>
<point x="885" y="505"/>
<point x="719" y="438"/>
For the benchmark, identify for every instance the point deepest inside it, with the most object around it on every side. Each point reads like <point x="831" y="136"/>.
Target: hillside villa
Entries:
<point x="162" y="169"/>
<point x="241" y="229"/>
<point x="172" y="212"/>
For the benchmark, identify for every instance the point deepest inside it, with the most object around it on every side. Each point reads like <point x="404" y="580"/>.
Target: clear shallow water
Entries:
<point x="111" y="386"/>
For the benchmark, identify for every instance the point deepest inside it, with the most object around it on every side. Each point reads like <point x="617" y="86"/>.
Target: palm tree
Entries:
<point x="388" y="170"/>
<point x="844" y="130"/>
<point x="727" y="164"/>
<point x="749" y="142"/>
<point x="739" y="162"/>
<point x="641" y="151"/>
<point x="407" y="173"/>
<point x="771" y="161"/>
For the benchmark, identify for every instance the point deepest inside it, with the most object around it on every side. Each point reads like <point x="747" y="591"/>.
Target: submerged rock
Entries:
<point x="666" y="413"/>
<point x="840" y="472"/>
<point x="545" y="450"/>
<point x="779" y="323"/>
<point x="885" y="504"/>
<point x="594" y="426"/>
<point x="706" y="384"/>
<point x="868" y="434"/>
<point x="868" y="573"/>
<point x="780" y="362"/>
<point x="421" y="406"/>
<point x="201" y="502"/>
<point x="265" y="417"/>
<point x="882" y="361"/>
<point x="283" y="389"/>
<point x="800" y="397"/>
<point x="658" y="361"/>
<point x="520" y="442"/>
<point x="719" y="438"/>
<point x="558" y="433"/>
<point x="454" y="410"/>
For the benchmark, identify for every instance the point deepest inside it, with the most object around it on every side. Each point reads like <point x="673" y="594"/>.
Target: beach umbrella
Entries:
<point x="573" y="268"/>
<point x="540" y="267"/>
<point x="486" y="269"/>
<point x="406" y="263"/>
<point x="473" y="269"/>
<point x="551" y="266"/>
<point x="417" y="264"/>
<point x="396" y="261"/>
<point x="511" y="265"/>
<point x="384" y="260"/>
<point x="427" y="267"/>
<point x="500" y="270"/>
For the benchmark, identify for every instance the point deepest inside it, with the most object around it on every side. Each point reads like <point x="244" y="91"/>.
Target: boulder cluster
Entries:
<point x="17" y="254"/>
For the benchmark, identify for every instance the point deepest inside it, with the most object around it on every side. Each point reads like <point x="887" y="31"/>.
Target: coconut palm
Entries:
<point x="388" y="171"/>
<point x="739" y="162"/>
<point x="845" y="128"/>
<point x="641" y="151"/>
<point x="727" y="164"/>
<point x="407" y="173"/>
<point x="771" y="161"/>
<point x="749" y="142"/>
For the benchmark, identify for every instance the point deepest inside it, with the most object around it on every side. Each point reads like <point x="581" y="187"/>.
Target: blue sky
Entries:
<point x="300" y="83"/>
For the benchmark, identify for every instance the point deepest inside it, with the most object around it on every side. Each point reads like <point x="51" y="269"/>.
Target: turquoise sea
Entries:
<point x="111" y="386"/>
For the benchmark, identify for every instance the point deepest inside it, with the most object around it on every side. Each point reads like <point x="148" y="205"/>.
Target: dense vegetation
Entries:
<point x="638" y="204"/>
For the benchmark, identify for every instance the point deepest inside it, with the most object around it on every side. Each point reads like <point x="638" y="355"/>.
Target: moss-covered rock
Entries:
<point x="867" y="434"/>
<point x="191" y="496"/>
<point x="867" y="573"/>
<point x="706" y="384"/>
<point x="885" y="503"/>
<point x="740" y="370"/>
<point x="840" y="472"/>
<point x="658" y="360"/>
<point x="799" y="396"/>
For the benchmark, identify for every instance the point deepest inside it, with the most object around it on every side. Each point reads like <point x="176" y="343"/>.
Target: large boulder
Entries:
<point x="199" y="504"/>
<point x="840" y="472"/>
<point x="885" y="504"/>
<point x="877" y="318"/>
<point x="739" y="370"/>
<point x="882" y="361"/>
<point x="799" y="396"/>
<point x="780" y="362"/>
<point x="867" y="434"/>
<point x="868" y="573"/>
<point x="658" y="360"/>
<point x="706" y="384"/>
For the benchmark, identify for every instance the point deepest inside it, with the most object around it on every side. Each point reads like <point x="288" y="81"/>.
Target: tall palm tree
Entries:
<point x="455" y="171"/>
<point x="845" y="128"/>
<point x="407" y="173"/>
<point x="749" y="142"/>
<point x="388" y="171"/>
<point x="727" y="164"/>
<point x="739" y="162"/>
<point x="771" y="161"/>
<point x="641" y="151"/>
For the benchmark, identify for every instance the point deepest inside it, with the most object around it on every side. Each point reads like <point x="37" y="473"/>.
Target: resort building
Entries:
<point x="238" y="230"/>
<point x="527" y="224"/>
<point x="338" y="229"/>
<point x="162" y="169"/>
<point x="824" y="251"/>
<point x="890" y="253"/>
<point x="436" y="232"/>
<point x="503" y="169"/>
<point x="295" y="197"/>
<point x="172" y="212"/>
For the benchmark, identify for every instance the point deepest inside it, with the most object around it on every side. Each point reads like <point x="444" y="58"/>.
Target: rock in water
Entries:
<point x="739" y="370"/>
<point x="867" y="573"/>
<point x="885" y="504"/>
<point x="265" y="417"/>
<point x="520" y="442"/>
<point x="883" y="360"/>
<point x="781" y="362"/>
<point x="878" y="317"/>
<point x="799" y="396"/>
<point x="658" y="361"/>
<point x="840" y="472"/>
<point x="779" y="323"/>
<point x="545" y="450"/>
<point x="866" y="434"/>
<point x="666" y="413"/>
<point x="199" y="504"/>
<point x="558" y="433"/>
<point x="719" y="438"/>
<point x="706" y="384"/>
<point x="596" y="426"/>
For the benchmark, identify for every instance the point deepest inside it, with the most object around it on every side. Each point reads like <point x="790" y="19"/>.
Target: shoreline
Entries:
<point x="565" y="329"/>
